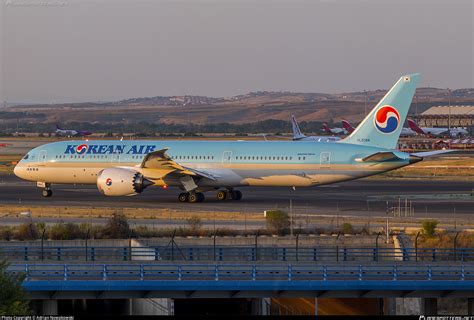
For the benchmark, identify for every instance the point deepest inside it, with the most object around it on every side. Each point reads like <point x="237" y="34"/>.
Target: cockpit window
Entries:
<point x="26" y="157"/>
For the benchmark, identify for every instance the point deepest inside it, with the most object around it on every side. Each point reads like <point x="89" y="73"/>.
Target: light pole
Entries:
<point x="386" y="215"/>
<point x="449" y="110"/>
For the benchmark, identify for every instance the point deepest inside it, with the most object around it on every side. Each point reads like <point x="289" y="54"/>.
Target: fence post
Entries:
<point x="360" y="272"/>
<point x="455" y="245"/>
<point x="58" y="250"/>
<point x="157" y="254"/>
<point x="416" y="246"/>
<point x="254" y="272"/>
<point x="429" y="272"/>
<point x="345" y="254"/>
<point x="221" y="254"/>
<point x="42" y="244"/>
<point x="65" y="272"/>
<point x="142" y="272"/>
<point x="104" y="272"/>
<point x="315" y="254"/>
<point x="256" y="246"/>
<point x="92" y="254"/>
<point x="376" y="253"/>
<point x="27" y="273"/>
<point x="25" y="250"/>
<point x="325" y="273"/>
<point x="215" y="233"/>
<point x="180" y="274"/>
<point x="125" y="254"/>
<point x="297" y="244"/>
<point x="87" y="239"/>
<point x="283" y="253"/>
<point x="216" y="272"/>
<point x="289" y="272"/>
<point x="462" y="272"/>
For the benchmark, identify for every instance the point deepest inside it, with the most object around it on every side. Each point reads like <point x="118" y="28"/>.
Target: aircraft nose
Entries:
<point x="18" y="170"/>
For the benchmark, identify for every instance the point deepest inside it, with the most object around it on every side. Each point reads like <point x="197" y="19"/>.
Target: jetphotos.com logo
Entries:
<point x="35" y="3"/>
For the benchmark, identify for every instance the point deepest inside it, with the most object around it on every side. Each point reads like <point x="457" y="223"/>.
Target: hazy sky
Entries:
<point x="83" y="50"/>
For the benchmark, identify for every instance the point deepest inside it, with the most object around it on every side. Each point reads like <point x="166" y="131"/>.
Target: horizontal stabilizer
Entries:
<point x="430" y="153"/>
<point x="380" y="157"/>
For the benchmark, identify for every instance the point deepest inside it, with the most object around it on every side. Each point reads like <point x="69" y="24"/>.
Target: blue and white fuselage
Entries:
<point x="231" y="163"/>
<point x="122" y="168"/>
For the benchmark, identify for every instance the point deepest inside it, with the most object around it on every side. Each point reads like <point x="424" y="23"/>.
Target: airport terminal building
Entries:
<point x="447" y="116"/>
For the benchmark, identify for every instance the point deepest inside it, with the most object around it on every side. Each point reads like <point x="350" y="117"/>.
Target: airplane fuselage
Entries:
<point x="233" y="163"/>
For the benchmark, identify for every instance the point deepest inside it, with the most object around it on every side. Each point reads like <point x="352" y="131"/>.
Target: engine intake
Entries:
<point x="121" y="182"/>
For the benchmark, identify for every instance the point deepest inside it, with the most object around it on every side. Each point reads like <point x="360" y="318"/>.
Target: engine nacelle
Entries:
<point x="121" y="182"/>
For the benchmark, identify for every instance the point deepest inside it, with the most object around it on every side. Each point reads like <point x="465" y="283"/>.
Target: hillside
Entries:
<point x="247" y="108"/>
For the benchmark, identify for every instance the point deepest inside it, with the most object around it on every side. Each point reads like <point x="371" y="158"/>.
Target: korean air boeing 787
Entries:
<point x="125" y="168"/>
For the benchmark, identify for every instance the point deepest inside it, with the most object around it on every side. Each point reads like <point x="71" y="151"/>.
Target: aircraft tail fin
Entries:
<point x="346" y="125"/>
<point x="326" y="128"/>
<point x="383" y="125"/>
<point x="414" y="126"/>
<point x="297" y="134"/>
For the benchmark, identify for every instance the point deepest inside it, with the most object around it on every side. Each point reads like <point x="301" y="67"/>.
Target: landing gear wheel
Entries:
<point x="47" y="193"/>
<point x="221" y="195"/>
<point x="201" y="197"/>
<point x="183" y="197"/>
<point x="236" y="195"/>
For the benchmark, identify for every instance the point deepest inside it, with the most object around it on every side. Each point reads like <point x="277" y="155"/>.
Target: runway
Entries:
<point x="364" y="197"/>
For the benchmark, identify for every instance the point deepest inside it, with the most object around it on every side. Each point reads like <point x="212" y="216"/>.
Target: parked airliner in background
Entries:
<point x="437" y="132"/>
<point x="71" y="133"/>
<point x="126" y="168"/>
<point x="347" y="126"/>
<point x="299" y="136"/>
<point x="335" y="130"/>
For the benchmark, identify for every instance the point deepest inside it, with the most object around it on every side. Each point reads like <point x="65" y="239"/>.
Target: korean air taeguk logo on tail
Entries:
<point x="387" y="119"/>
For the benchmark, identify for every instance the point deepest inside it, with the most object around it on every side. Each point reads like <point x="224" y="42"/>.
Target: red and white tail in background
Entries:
<point x="347" y="126"/>
<point x="414" y="126"/>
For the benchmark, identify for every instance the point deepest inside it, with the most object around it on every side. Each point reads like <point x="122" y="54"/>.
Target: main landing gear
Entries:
<point x="222" y="195"/>
<point x="191" y="197"/>
<point x="229" y="194"/>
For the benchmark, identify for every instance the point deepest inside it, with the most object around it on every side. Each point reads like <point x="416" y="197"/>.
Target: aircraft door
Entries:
<point x="42" y="156"/>
<point x="115" y="158"/>
<point x="325" y="160"/>
<point x="227" y="158"/>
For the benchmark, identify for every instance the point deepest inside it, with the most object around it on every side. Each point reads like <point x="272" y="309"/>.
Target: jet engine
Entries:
<point x="121" y="182"/>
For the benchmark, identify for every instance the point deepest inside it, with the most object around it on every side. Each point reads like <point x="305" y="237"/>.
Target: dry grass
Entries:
<point x="446" y="240"/>
<point x="131" y="213"/>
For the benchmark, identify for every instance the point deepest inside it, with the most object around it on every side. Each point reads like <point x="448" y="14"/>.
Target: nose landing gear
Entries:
<point x="191" y="197"/>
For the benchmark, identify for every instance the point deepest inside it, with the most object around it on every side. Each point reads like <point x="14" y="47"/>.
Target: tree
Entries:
<point x="277" y="221"/>
<point x="65" y="231"/>
<point x="117" y="227"/>
<point x="27" y="231"/>
<point x="13" y="299"/>
<point x="347" y="228"/>
<point x="429" y="227"/>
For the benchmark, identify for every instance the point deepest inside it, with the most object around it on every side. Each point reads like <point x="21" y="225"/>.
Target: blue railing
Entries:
<point x="234" y="253"/>
<point x="251" y="272"/>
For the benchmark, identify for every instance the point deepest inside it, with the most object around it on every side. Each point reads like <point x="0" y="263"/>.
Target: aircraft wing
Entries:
<point x="160" y="161"/>
<point x="430" y="153"/>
